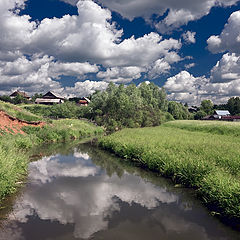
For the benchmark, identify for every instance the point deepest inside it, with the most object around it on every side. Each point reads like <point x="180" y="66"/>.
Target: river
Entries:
<point x="81" y="192"/>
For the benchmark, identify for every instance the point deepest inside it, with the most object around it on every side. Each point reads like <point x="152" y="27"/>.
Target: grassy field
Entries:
<point x="201" y="155"/>
<point x="14" y="149"/>
<point x="214" y="127"/>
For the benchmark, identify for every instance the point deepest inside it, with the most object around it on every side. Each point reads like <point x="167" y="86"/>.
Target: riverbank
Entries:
<point x="200" y="157"/>
<point x="81" y="192"/>
<point x="14" y="148"/>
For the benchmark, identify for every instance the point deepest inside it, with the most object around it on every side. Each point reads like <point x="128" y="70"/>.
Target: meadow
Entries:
<point x="15" y="148"/>
<point x="197" y="154"/>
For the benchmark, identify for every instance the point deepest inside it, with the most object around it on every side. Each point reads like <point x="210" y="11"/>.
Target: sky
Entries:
<point x="71" y="47"/>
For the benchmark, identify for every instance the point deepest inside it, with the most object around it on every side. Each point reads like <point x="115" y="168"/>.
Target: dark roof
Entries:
<point x="210" y="117"/>
<point x="230" y="117"/>
<point x="52" y="95"/>
<point x="16" y="93"/>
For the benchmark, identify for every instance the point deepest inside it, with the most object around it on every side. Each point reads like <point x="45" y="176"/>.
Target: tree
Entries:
<point x="233" y="105"/>
<point x="6" y="98"/>
<point x="206" y="106"/>
<point x="35" y="96"/>
<point x="129" y="106"/>
<point x="178" y="111"/>
<point x="199" y="115"/>
<point x="19" y="99"/>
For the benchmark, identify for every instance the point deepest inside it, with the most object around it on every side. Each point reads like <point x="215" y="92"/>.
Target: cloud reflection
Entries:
<point x="75" y="192"/>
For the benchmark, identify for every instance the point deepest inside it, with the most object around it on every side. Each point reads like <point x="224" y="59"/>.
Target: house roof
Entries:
<point x="53" y="94"/>
<point x="210" y="117"/>
<point x="230" y="117"/>
<point x="23" y="94"/>
<point x="222" y="112"/>
<point x="85" y="98"/>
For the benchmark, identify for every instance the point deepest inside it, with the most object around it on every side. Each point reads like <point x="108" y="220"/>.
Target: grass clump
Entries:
<point x="207" y="162"/>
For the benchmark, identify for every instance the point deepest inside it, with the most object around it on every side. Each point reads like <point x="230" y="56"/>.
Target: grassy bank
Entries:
<point x="19" y="113"/>
<point x="14" y="149"/>
<point x="190" y="155"/>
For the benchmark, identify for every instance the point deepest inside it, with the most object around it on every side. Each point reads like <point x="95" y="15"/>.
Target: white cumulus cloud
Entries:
<point x="227" y="69"/>
<point x="189" y="37"/>
<point x="180" y="12"/>
<point x="34" y="55"/>
<point x="120" y="74"/>
<point x="184" y="87"/>
<point x="229" y="39"/>
<point x="86" y="88"/>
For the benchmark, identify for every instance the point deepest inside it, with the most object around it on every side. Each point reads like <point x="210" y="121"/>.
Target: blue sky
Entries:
<point x="191" y="48"/>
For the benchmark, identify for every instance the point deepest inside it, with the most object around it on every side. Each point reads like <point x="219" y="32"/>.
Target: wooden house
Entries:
<point x="84" y="101"/>
<point x="221" y="115"/>
<point x="50" y="98"/>
<point x="18" y="93"/>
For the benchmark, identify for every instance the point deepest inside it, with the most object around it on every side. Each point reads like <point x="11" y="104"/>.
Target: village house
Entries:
<point x="84" y="101"/>
<point x="50" y="98"/>
<point x="222" y="115"/>
<point x="217" y="115"/>
<point x="18" y="93"/>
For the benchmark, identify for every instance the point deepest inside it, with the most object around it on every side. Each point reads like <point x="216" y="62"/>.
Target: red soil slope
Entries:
<point x="13" y="125"/>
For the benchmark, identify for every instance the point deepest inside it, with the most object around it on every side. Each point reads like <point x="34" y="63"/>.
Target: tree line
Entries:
<point x="130" y="106"/>
<point x="117" y="107"/>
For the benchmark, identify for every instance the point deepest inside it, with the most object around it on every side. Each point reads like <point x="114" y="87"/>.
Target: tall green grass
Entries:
<point x="13" y="163"/>
<point x="208" y="162"/>
<point x="62" y="130"/>
<point x="214" y="127"/>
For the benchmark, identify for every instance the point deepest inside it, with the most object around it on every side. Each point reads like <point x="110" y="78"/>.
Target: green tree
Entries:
<point x="19" y="99"/>
<point x="207" y="106"/>
<point x="178" y="111"/>
<point x="129" y="106"/>
<point x="35" y="96"/>
<point x="233" y="105"/>
<point x="6" y="98"/>
<point x="199" y="115"/>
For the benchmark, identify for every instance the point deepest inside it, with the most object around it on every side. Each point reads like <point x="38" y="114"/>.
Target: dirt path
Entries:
<point x="13" y="125"/>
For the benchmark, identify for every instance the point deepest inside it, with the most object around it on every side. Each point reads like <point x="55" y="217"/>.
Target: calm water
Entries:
<point x="84" y="193"/>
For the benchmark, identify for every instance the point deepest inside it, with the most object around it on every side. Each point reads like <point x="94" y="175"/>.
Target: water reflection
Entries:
<point x="90" y="194"/>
